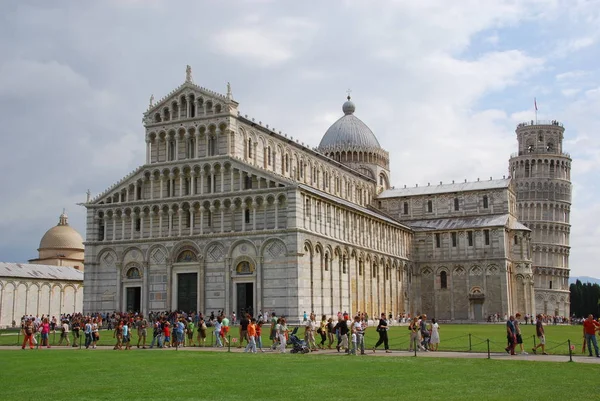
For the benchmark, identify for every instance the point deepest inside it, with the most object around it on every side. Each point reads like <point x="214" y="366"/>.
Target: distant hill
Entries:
<point x="584" y="279"/>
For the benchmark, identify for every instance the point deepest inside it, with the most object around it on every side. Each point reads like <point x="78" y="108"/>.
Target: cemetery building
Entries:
<point x="229" y="214"/>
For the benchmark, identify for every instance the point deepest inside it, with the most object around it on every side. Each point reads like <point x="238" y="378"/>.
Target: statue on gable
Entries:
<point x="151" y="100"/>
<point x="229" y="94"/>
<point x="188" y="73"/>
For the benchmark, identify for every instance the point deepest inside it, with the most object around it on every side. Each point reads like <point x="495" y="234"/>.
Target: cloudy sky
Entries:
<point x="441" y="83"/>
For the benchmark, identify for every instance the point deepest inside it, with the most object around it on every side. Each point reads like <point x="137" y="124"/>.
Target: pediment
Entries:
<point x="188" y="91"/>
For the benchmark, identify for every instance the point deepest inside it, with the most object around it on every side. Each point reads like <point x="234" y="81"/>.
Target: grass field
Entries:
<point x="453" y="337"/>
<point x="105" y="374"/>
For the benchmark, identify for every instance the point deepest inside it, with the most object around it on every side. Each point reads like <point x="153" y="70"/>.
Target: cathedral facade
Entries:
<point x="228" y="214"/>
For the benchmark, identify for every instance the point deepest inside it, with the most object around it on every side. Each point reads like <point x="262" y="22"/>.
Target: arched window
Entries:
<point x="212" y="145"/>
<point x="485" y="201"/>
<point x="443" y="280"/>
<point x="429" y="206"/>
<point x="250" y="148"/>
<point x="172" y="150"/>
<point x="456" y="204"/>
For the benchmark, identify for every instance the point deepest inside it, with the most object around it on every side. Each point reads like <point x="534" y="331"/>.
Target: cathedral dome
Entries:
<point x="349" y="132"/>
<point x="61" y="236"/>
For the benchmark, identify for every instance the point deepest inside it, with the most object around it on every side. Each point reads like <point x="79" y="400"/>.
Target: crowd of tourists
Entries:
<point x="179" y="329"/>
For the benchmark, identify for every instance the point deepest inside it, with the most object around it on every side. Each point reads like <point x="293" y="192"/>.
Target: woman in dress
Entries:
<point x="201" y="332"/>
<point x="434" y="329"/>
<point x="281" y="334"/>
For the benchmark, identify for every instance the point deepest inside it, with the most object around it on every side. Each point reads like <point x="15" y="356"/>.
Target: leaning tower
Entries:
<point x="541" y="174"/>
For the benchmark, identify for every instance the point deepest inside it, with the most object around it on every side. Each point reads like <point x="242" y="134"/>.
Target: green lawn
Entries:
<point x="453" y="337"/>
<point x="106" y="374"/>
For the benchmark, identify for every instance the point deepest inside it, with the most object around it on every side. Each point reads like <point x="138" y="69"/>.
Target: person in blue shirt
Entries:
<point x="511" y="335"/>
<point x="179" y="331"/>
<point x="126" y="336"/>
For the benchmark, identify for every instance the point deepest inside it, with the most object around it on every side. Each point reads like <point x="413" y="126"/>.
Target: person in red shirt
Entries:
<point x="167" y="331"/>
<point x="590" y="327"/>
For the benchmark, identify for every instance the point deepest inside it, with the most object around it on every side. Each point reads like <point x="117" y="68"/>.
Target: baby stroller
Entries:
<point x="298" y="345"/>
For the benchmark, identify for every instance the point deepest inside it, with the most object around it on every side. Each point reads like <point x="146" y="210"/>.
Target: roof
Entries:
<point x="354" y="206"/>
<point x="459" y="223"/>
<point x="24" y="270"/>
<point x="349" y="131"/>
<point x="445" y="188"/>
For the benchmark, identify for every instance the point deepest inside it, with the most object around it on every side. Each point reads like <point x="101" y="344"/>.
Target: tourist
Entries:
<point x="28" y="331"/>
<point x="156" y="334"/>
<point x="342" y="329"/>
<point x="539" y="331"/>
<point x="64" y="333"/>
<point x="413" y="328"/>
<point x="251" y="337"/>
<point x="167" y="333"/>
<point x="95" y="333"/>
<point x="382" y="329"/>
<point x="309" y="332"/>
<point x="118" y="334"/>
<point x="511" y="335"/>
<point x="45" y="331"/>
<point x="179" y="331"/>
<point x="259" y="325"/>
<point x="224" y="329"/>
<point x="273" y="330"/>
<point x="190" y="332"/>
<point x="218" y="327"/>
<point x="141" y="324"/>
<point x="590" y="327"/>
<point x="322" y="331"/>
<point x="233" y="318"/>
<point x="518" y="331"/>
<point x="87" y="332"/>
<point x="75" y="328"/>
<point x="126" y="335"/>
<point x="53" y="324"/>
<point x="425" y="334"/>
<point x="434" y="342"/>
<point x="358" y="335"/>
<point x="202" y="332"/>
<point x="244" y="322"/>
<point x="282" y="331"/>
<point x="330" y="332"/>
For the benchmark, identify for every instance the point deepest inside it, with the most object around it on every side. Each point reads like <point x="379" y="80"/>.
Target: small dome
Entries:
<point x="349" y="131"/>
<point x="61" y="236"/>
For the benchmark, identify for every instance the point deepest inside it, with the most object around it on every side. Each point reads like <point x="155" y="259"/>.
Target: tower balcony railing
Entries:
<point x="539" y="122"/>
<point x="540" y="152"/>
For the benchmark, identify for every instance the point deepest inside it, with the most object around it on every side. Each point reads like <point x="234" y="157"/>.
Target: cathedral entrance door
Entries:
<point x="134" y="299"/>
<point x="478" y="311"/>
<point x="244" y="298"/>
<point x="187" y="291"/>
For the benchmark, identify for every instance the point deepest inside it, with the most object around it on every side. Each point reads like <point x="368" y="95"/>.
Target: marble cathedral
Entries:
<point x="228" y="214"/>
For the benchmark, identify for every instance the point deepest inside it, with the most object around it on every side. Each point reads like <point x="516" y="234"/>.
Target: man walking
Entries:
<point x="511" y="336"/>
<point x="590" y="327"/>
<point x="382" y="329"/>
